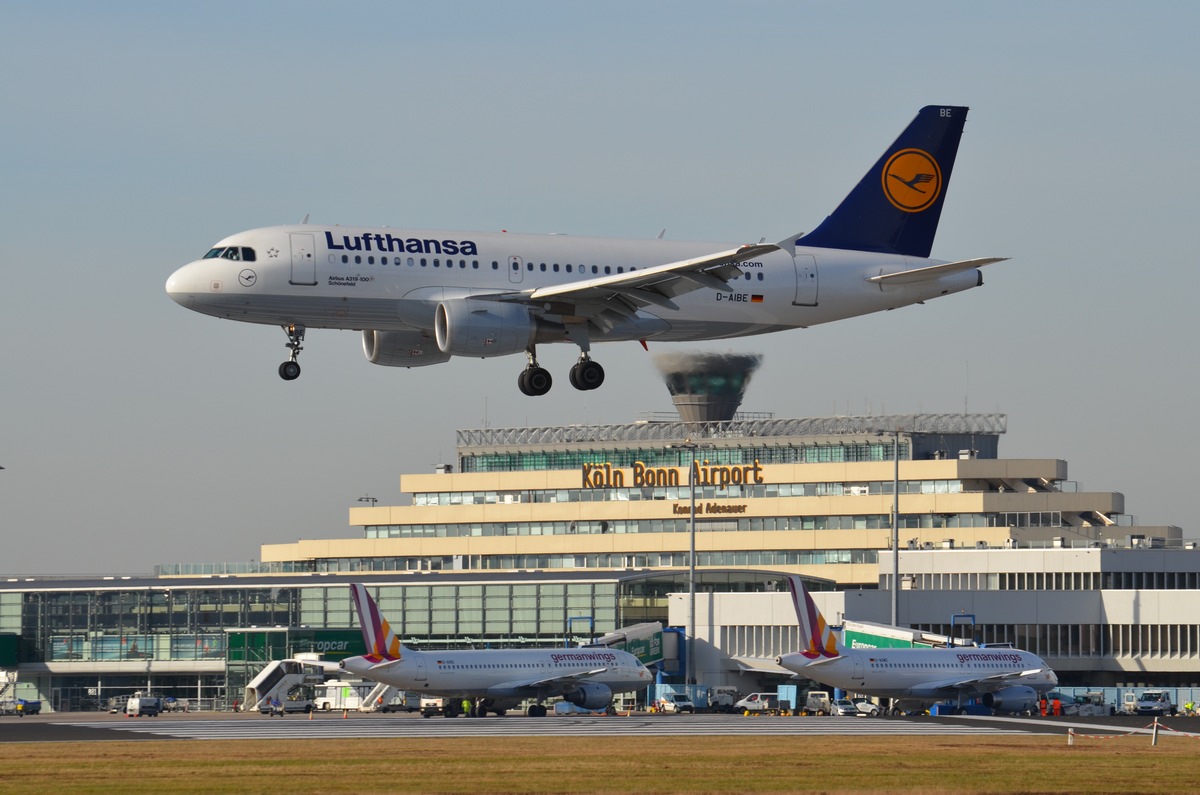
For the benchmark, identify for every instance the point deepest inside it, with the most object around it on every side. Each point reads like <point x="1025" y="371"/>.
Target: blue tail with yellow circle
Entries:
<point x="895" y="208"/>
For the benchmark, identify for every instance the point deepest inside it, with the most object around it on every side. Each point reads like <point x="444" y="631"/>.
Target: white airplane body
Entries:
<point x="1003" y="678"/>
<point x="493" y="680"/>
<point x="421" y="297"/>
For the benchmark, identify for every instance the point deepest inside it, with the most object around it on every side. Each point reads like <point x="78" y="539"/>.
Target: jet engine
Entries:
<point x="590" y="696"/>
<point x="1017" y="698"/>
<point x="401" y="348"/>
<point x="467" y="327"/>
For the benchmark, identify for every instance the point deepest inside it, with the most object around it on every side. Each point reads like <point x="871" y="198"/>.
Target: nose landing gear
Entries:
<point x="290" y="370"/>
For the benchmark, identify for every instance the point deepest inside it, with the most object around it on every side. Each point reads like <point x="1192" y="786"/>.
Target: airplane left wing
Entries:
<point x="981" y="684"/>
<point x="995" y="681"/>
<point x="544" y="686"/>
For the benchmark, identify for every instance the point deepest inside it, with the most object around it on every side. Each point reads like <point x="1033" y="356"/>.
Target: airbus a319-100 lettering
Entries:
<point x="421" y="297"/>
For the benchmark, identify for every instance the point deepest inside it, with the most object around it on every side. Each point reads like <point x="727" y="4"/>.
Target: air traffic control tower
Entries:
<point x="707" y="387"/>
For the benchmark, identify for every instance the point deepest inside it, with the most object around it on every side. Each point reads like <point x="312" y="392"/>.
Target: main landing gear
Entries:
<point x="535" y="380"/>
<point x="290" y="370"/>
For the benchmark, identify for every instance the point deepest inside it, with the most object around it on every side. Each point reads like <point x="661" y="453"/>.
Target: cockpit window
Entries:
<point x="237" y="253"/>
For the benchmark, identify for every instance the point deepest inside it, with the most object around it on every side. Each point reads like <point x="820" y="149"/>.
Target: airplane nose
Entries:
<point x="181" y="284"/>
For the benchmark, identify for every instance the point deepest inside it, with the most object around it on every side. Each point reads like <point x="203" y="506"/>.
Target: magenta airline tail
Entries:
<point x="815" y="635"/>
<point x="382" y="644"/>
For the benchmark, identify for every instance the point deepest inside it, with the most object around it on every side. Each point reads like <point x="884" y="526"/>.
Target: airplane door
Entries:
<point x="304" y="259"/>
<point x="857" y="674"/>
<point x="420" y="675"/>
<point x="806" y="280"/>
<point x="516" y="269"/>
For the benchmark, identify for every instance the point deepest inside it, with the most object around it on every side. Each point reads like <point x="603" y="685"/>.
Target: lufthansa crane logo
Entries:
<point x="912" y="180"/>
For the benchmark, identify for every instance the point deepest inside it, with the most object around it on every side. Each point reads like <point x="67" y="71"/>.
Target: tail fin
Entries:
<point x="382" y="644"/>
<point x="815" y="634"/>
<point x="896" y="207"/>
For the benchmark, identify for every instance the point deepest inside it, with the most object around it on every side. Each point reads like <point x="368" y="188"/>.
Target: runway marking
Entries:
<point x="299" y="728"/>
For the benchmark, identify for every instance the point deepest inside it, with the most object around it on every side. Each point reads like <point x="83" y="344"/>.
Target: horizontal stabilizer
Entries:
<point x="933" y="271"/>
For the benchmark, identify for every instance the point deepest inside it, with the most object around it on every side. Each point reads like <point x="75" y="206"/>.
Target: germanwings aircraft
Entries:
<point x="1005" y="679"/>
<point x="496" y="680"/>
<point x="420" y="297"/>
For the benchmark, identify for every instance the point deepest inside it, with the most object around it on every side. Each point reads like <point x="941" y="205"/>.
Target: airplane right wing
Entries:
<point x="608" y="300"/>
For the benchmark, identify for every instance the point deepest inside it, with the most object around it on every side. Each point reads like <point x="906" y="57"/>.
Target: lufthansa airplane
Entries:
<point x="493" y="680"/>
<point x="420" y="297"/>
<point x="1003" y="678"/>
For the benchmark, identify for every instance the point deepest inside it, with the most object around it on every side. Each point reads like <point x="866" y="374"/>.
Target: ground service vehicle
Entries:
<point x="677" y="703"/>
<point x="143" y="706"/>
<point x="24" y="707"/>
<point x="722" y="699"/>
<point x="1089" y="705"/>
<point x="868" y="708"/>
<point x="757" y="702"/>
<point x="844" y="706"/>
<point x="817" y="702"/>
<point x="1155" y="702"/>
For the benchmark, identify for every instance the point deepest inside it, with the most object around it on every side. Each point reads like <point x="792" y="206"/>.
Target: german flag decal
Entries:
<point x="756" y="299"/>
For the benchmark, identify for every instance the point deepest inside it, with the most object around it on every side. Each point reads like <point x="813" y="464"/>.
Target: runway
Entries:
<point x="326" y="726"/>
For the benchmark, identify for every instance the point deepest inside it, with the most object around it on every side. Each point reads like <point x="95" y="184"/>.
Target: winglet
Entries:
<point x="382" y="644"/>
<point x="815" y="634"/>
<point x="895" y="208"/>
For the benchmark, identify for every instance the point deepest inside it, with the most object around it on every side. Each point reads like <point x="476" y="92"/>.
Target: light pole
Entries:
<point x="895" y="527"/>
<point x="688" y="444"/>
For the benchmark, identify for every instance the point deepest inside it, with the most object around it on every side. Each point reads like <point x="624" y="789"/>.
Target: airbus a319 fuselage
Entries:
<point x="421" y="297"/>
<point x="492" y="680"/>
<point x="1002" y="678"/>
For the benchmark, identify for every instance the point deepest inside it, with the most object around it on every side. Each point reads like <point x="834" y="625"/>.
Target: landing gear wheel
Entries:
<point x="536" y="711"/>
<point x="535" y="381"/>
<point x="586" y="375"/>
<point x="290" y="370"/>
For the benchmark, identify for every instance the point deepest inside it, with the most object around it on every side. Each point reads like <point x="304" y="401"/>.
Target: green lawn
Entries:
<point x="988" y="764"/>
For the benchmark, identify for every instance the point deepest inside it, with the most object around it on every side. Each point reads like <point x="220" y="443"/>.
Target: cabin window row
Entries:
<point x="462" y="264"/>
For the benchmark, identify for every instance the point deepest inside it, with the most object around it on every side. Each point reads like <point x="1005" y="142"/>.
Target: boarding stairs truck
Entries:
<point x="277" y="680"/>
<point x="383" y="698"/>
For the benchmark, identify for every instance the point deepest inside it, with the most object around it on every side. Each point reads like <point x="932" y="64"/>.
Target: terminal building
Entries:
<point x="543" y="536"/>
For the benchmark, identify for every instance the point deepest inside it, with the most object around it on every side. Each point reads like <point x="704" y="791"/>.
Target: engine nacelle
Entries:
<point x="401" y="348"/>
<point x="1017" y="698"/>
<point x="590" y="696"/>
<point x="466" y="327"/>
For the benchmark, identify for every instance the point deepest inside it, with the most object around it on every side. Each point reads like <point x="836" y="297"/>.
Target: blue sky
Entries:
<point x="134" y="135"/>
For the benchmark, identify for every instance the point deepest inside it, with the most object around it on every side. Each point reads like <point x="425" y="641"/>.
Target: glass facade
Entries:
<point x="767" y="452"/>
